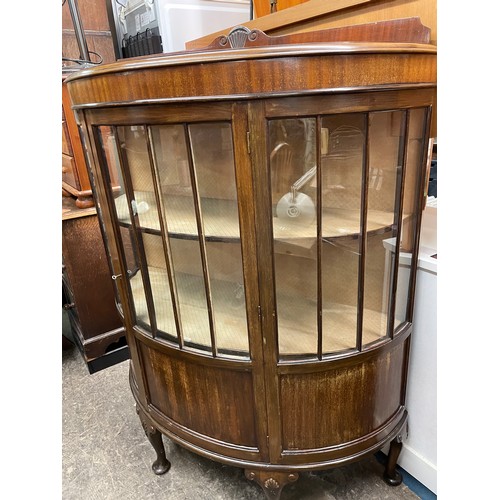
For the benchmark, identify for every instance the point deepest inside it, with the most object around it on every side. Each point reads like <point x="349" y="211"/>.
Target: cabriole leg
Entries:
<point x="391" y="476"/>
<point x="161" y="464"/>
<point x="271" y="482"/>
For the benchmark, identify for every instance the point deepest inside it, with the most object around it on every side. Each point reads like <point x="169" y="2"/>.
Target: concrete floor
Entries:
<point x="106" y="455"/>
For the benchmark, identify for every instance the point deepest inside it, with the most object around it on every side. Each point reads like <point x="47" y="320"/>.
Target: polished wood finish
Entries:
<point x="75" y="178"/>
<point x="270" y="414"/>
<point x="317" y="15"/>
<point x="392" y="476"/>
<point x="90" y="297"/>
<point x="161" y="464"/>
<point x="177" y="388"/>
<point x="271" y="482"/>
<point x="166" y="79"/>
<point x="397" y="30"/>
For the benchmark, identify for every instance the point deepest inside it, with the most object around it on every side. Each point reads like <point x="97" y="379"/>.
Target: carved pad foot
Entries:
<point x="161" y="464"/>
<point x="271" y="482"/>
<point x="391" y="476"/>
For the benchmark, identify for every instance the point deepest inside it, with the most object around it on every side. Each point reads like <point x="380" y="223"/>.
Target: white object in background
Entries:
<point x="419" y="453"/>
<point x="180" y="21"/>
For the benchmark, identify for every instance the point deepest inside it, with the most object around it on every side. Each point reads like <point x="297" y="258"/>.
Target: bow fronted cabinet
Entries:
<point x="256" y="200"/>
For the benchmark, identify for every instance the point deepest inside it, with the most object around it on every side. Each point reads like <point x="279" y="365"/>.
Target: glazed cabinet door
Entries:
<point x="189" y="284"/>
<point x="339" y="202"/>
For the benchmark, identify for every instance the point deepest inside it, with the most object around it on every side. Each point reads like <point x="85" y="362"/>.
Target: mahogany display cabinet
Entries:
<point x="254" y="188"/>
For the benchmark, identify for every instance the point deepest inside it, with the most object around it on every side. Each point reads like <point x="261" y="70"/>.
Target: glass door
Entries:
<point x="178" y="214"/>
<point x="344" y="208"/>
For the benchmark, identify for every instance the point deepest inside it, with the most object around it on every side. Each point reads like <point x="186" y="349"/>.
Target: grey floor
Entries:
<point x="106" y="455"/>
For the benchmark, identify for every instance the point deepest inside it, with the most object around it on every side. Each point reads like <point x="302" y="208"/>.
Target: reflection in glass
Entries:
<point x="187" y="285"/>
<point x="342" y="160"/>
<point x="384" y="176"/>
<point x="293" y="186"/>
<point x="415" y="152"/>
<point x="213" y="159"/>
<point x="109" y="141"/>
<point x="179" y="214"/>
<point x="336" y="297"/>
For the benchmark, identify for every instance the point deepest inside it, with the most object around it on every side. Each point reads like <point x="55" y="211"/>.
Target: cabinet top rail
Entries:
<point x="241" y="54"/>
<point x="248" y="64"/>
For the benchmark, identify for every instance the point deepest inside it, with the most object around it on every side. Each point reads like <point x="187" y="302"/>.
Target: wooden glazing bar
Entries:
<point x="319" y="227"/>
<point x="201" y="239"/>
<point x="398" y="218"/>
<point x="362" y="242"/>
<point x="164" y="236"/>
<point x="419" y="208"/>
<point x="134" y="219"/>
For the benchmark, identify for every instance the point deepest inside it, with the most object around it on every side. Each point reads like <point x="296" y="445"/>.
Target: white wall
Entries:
<point x="184" y="20"/>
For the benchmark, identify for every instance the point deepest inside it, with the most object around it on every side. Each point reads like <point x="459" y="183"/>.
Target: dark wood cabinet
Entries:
<point x="256" y="202"/>
<point x="88" y="292"/>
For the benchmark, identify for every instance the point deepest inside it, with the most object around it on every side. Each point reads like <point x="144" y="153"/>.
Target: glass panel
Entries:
<point x="213" y="157"/>
<point x="384" y="152"/>
<point x="412" y="193"/>
<point x="107" y="231"/>
<point x="114" y="170"/>
<point x="158" y="276"/>
<point x="293" y="185"/>
<point x="207" y="268"/>
<point x="342" y="160"/>
<point x="198" y="294"/>
<point x="149" y="283"/>
<point x="174" y="178"/>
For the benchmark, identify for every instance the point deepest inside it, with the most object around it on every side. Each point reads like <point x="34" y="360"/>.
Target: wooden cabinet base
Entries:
<point x="101" y="351"/>
<point x="360" y="433"/>
<point x="272" y="483"/>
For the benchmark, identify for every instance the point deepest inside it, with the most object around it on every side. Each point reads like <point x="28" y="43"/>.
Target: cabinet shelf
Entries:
<point x="229" y="305"/>
<point x="232" y="334"/>
<point x="220" y="220"/>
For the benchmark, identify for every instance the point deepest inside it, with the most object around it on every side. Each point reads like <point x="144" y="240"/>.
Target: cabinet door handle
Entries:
<point x="68" y="306"/>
